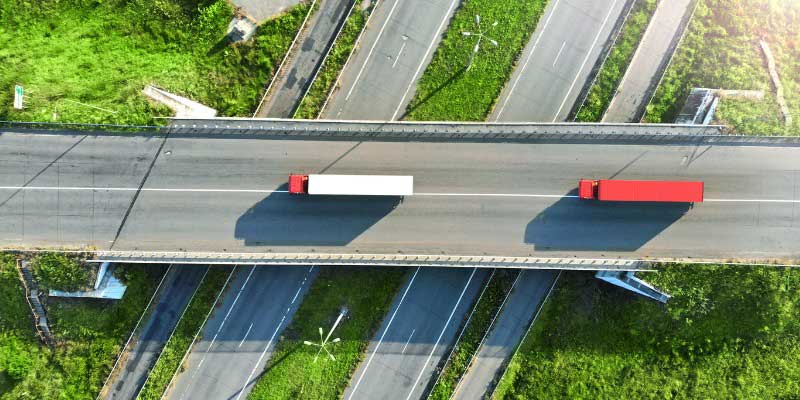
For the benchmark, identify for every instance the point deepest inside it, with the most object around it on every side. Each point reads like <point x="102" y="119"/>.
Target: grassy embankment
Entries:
<point x="312" y="103"/>
<point x="721" y="50"/>
<point x="616" y="63"/>
<point x="728" y="332"/>
<point x="89" y="334"/>
<point x="367" y="294"/>
<point x="484" y="312"/>
<point x="102" y="54"/>
<point x="447" y="91"/>
<point x="193" y="318"/>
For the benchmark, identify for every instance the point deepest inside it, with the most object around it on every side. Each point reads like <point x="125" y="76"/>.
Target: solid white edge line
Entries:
<point x="527" y="331"/>
<point x="525" y="64"/>
<point x="219" y="329"/>
<point x="438" y="33"/>
<point x="444" y="329"/>
<point x="175" y="328"/>
<point x="380" y="340"/>
<point x="197" y="335"/>
<point x="371" y="49"/>
<point x="247" y="382"/>
<point x="133" y="331"/>
<point x="489" y="330"/>
<point x="431" y="194"/>
<point x="585" y="59"/>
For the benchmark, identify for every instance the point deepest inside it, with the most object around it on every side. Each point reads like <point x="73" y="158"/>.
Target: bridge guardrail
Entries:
<point x="371" y="259"/>
<point x="81" y="126"/>
<point x="433" y="131"/>
<point x="447" y="131"/>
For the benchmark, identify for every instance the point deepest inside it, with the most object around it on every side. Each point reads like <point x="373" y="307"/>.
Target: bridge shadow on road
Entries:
<point x="282" y="219"/>
<point x="587" y="225"/>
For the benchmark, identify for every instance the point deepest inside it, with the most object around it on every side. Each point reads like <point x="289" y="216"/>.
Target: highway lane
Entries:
<point x="214" y="195"/>
<point x="396" y="45"/>
<point x="558" y="59"/>
<point x="415" y="334"/>
<point x="525" y="299"/>
<point x="239" y="338"/>
<point x="178" y="289"/>
<point x="295" y="77"/>
<point x="650" y="61"/>
<point x="66" y="218"/>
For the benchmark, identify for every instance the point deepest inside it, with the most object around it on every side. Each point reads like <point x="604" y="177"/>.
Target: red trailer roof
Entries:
<point x="669" y="191"/>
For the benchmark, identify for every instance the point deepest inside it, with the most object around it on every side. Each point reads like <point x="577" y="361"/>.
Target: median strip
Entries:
<point x="194" y="317"/>
<point x="460" y="85"/>
<point x="614" y="66"/>
<point x="298" y="370"/>
<point x="314" y="100"/>
<point x="478" y="325"/>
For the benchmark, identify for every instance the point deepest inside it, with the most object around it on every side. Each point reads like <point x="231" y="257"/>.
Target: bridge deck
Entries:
<point x="473" y="199"/>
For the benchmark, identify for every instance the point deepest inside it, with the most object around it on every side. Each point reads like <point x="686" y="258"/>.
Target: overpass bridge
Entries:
<point x="498" y="195"/>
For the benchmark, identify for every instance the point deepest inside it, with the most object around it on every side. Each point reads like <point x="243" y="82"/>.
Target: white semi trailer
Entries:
<point x="351" y="185"/>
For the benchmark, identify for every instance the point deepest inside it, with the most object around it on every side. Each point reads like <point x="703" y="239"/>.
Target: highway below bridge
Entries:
<point x="222" y="198"/>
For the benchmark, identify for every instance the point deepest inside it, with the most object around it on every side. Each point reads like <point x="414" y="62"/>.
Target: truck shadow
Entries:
<point x="282" y="219"/>
<point x="587" y="225"/>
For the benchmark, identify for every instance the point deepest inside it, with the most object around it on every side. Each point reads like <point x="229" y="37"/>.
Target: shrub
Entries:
<point x="57" y="271"/>
<point x="15" y="357"/>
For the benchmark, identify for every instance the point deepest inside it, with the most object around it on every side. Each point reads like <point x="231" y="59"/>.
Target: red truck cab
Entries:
<point x="651" y="191"/>
<point x="298" y="184"/>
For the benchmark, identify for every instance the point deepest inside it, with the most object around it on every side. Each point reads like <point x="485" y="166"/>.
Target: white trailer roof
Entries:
<point x="361" y="185"/>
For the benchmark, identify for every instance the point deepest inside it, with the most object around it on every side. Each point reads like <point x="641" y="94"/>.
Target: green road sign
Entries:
<point x="18" y="92"/>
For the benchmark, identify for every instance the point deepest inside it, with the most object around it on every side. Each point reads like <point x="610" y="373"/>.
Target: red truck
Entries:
<point x="657" y="191"/>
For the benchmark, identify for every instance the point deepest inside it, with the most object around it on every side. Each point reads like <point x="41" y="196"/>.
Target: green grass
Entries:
<point x="614" y="67"/>
<point x="60" y="272"/>
<point x="721" y="50"/>
<point x="193" y="318"/>
<point x="485" y="311"/>
<point x="728" y="332"/>
<point x="447" y="91"/>
<point x="103" y="53"/>
<point x="291" y="372"/>
<point x="89" y="335"/>
<point x="311" y="105"/>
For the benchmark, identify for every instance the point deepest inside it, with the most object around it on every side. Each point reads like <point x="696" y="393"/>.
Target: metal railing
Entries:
<point x="371" y="259"/>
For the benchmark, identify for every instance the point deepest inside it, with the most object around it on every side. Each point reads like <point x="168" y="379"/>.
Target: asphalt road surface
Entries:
<point x="425" y="316"/>
<point x="179" y="287"/>
<point x="239" y="338"/>
<point x="651" y="58"/>
<point x="471" y="198"/>
<point x="396" y="46"/>
<point x="522" y="304"/>
<point x="558" y="59"/>
<point x="289" y="87"/>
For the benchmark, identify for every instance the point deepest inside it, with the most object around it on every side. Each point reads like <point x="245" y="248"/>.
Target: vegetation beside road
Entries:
<point x="59" y="271"/>
<point x="727" y="332"/>
<point x="291" y="372"/>
<point x="89" y="334"/>
<point x="615" y="65"/>
<point x="721" y="50"/>
<point x="193" y="318"/>
<point x="87" y="62"/>
<point x="312" y="103"/>
<point x="447" y="91"/>
<point x="484" y="313"/>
